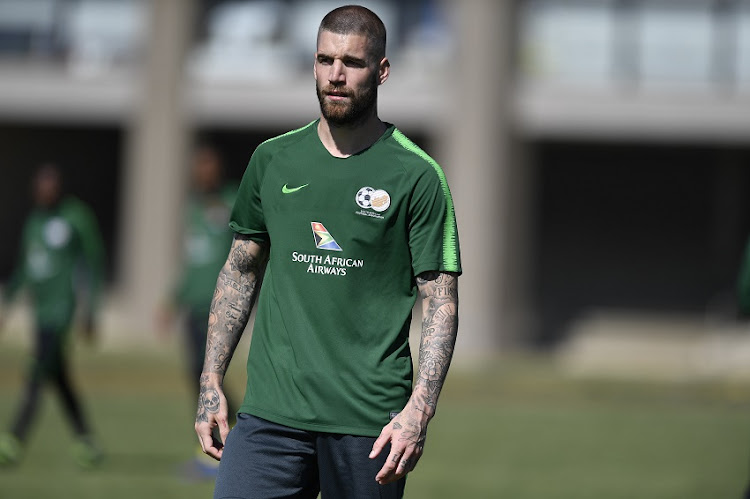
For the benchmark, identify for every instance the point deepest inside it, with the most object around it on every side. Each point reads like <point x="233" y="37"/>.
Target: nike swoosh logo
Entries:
<point x="288" y="190"/>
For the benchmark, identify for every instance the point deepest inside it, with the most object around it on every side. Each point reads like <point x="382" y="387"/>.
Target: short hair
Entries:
<point x="355" y="19"/>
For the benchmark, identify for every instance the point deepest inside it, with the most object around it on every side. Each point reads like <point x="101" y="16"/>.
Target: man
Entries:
<point x="59" y="234"/>
<point x="354" y="221"/>
<point x="743" y="302"/>
<point x="743" y="283"/>
<point x="206" y="243"/>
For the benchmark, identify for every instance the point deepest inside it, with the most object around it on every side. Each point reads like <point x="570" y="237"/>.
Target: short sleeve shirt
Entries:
<point x="330" y="348"/>
<point x="206" y="243"/>
<point x="54" y="242"/>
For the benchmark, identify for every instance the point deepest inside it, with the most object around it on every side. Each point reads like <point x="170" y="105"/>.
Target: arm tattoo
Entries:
<point x="230" y="310"/>
<point x="231" y="305"/>
<point x="208" y="400"/>
<point x="413" y="432"/>
<point x="439" y="292"/>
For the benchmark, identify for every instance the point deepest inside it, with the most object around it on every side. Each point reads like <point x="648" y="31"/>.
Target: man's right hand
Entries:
<point x="230" y="311"/>
<point x="212" y="413"/>
<point x="3" y="315"/>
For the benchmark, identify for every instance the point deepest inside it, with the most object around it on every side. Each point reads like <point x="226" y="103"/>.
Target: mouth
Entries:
<point x="337" y="95"/>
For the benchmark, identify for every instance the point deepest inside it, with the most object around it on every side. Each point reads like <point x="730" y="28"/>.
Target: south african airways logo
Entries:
<point x="323" y="239"/>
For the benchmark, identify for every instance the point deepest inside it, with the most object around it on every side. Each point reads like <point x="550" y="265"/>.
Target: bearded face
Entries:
<point x="358" y="105"/>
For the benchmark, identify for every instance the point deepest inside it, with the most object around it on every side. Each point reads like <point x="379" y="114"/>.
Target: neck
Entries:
<point x="344" y="141"/>
<point x="49" y="206"/>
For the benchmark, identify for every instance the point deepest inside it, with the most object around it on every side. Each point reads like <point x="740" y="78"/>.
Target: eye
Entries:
<point x="354" y="63"/>
<point x="325" y="61"/>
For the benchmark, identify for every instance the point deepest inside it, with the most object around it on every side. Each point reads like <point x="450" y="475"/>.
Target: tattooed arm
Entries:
<point x="408" y="430"/>
<point x="230" y="310"/>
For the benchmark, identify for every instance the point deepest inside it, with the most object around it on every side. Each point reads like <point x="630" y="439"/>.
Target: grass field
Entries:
<point x="518" y="430"/>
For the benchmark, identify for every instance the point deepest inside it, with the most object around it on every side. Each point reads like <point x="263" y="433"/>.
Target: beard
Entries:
<point x="359" y="106"/>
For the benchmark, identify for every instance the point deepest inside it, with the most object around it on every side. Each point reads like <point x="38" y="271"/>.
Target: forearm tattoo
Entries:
<point x="208" y="400"/>
<point x="439" y="292"/>
<point x="230" y="310"/>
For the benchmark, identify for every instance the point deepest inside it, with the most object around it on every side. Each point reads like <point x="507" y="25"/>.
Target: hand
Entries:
<point x="212" y="414"/>
<point x="89" y="329"/>
<point x="406" y="433"/>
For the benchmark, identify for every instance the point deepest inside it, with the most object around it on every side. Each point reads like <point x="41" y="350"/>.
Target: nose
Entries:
<point x="336" y="74"/>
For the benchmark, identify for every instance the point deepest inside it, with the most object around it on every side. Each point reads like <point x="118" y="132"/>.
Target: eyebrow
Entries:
<point x="345" y="58"/>
<point x="348" y="58"/>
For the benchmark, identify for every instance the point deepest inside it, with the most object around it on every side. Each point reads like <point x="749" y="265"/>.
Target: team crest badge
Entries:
<point x="375" y="199"/>
<point x="364" y="197"/>
<point x="323" y="239"/>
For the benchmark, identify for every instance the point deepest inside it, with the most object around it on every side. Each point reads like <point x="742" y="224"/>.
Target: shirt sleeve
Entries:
<point x="18" y="277"/>
<point x="433" y="235"/>
<point x="743" y="283"/>
<point x="247" y="214"/>
<point x="179" y="289"/>
<point x="92" y="248"/>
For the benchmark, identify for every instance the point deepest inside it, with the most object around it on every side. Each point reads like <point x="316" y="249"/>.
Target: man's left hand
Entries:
<point x="406" y="434"/>
<point x="88" y="328"/>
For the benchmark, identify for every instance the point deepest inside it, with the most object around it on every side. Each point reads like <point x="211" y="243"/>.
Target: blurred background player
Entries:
<point x="743" y="283"/>
<point x="59" y="235"/>
<point x="743" y="301"/>
<point x="206" y="244"/>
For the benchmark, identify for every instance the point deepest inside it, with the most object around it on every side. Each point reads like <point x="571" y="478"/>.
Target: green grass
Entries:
<point x="518" y="430"/>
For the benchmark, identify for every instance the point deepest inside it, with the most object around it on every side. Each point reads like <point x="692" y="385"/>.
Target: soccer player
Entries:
<point x="743" y="283"/>
<point x="59" y="234"/>
<point x="345" y="221"/>
<point x="743" y="301"/>
<point x="206" y="243"/>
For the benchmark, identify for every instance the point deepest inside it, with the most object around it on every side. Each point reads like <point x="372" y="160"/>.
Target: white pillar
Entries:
<point x="489" y="189"/>
<point x="155" y="173"/>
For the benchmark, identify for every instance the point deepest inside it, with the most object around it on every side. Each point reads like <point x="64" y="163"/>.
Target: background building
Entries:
<point x="598" y="151"/>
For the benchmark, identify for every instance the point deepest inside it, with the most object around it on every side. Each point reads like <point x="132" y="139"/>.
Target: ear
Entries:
<point x="315" y="66"/>
<point x="384" y="70"/>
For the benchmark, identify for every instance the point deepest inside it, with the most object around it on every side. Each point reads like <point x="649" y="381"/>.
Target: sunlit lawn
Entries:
<point x="518" y="430"/>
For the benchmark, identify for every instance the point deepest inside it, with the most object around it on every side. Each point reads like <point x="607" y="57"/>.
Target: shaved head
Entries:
<point x="357" y="20"/>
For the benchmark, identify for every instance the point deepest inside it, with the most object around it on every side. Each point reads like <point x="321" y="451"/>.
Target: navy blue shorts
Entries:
<point x="264" y="460"/>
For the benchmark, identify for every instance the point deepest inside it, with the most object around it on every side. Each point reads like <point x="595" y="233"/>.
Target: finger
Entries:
<point x="209" y="444"/>
<point x="380" y="442"/>
<point x="200" y="439"/>
<point x="215" y="448"/>
<point x="204" y="436"/>
<point x="411" y="463"/>
<point x="391" y="463"/>
<point x="405" y="465"/>
<point x="223" y="429"/>
<point x="223" y="420"/>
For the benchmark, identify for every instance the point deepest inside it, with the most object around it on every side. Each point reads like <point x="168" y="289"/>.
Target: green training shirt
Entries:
<point x="743" y="282"/>
<point x="54" y="242"/>
<point x="206" y="244"/>
<point x="330" y="349"/>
